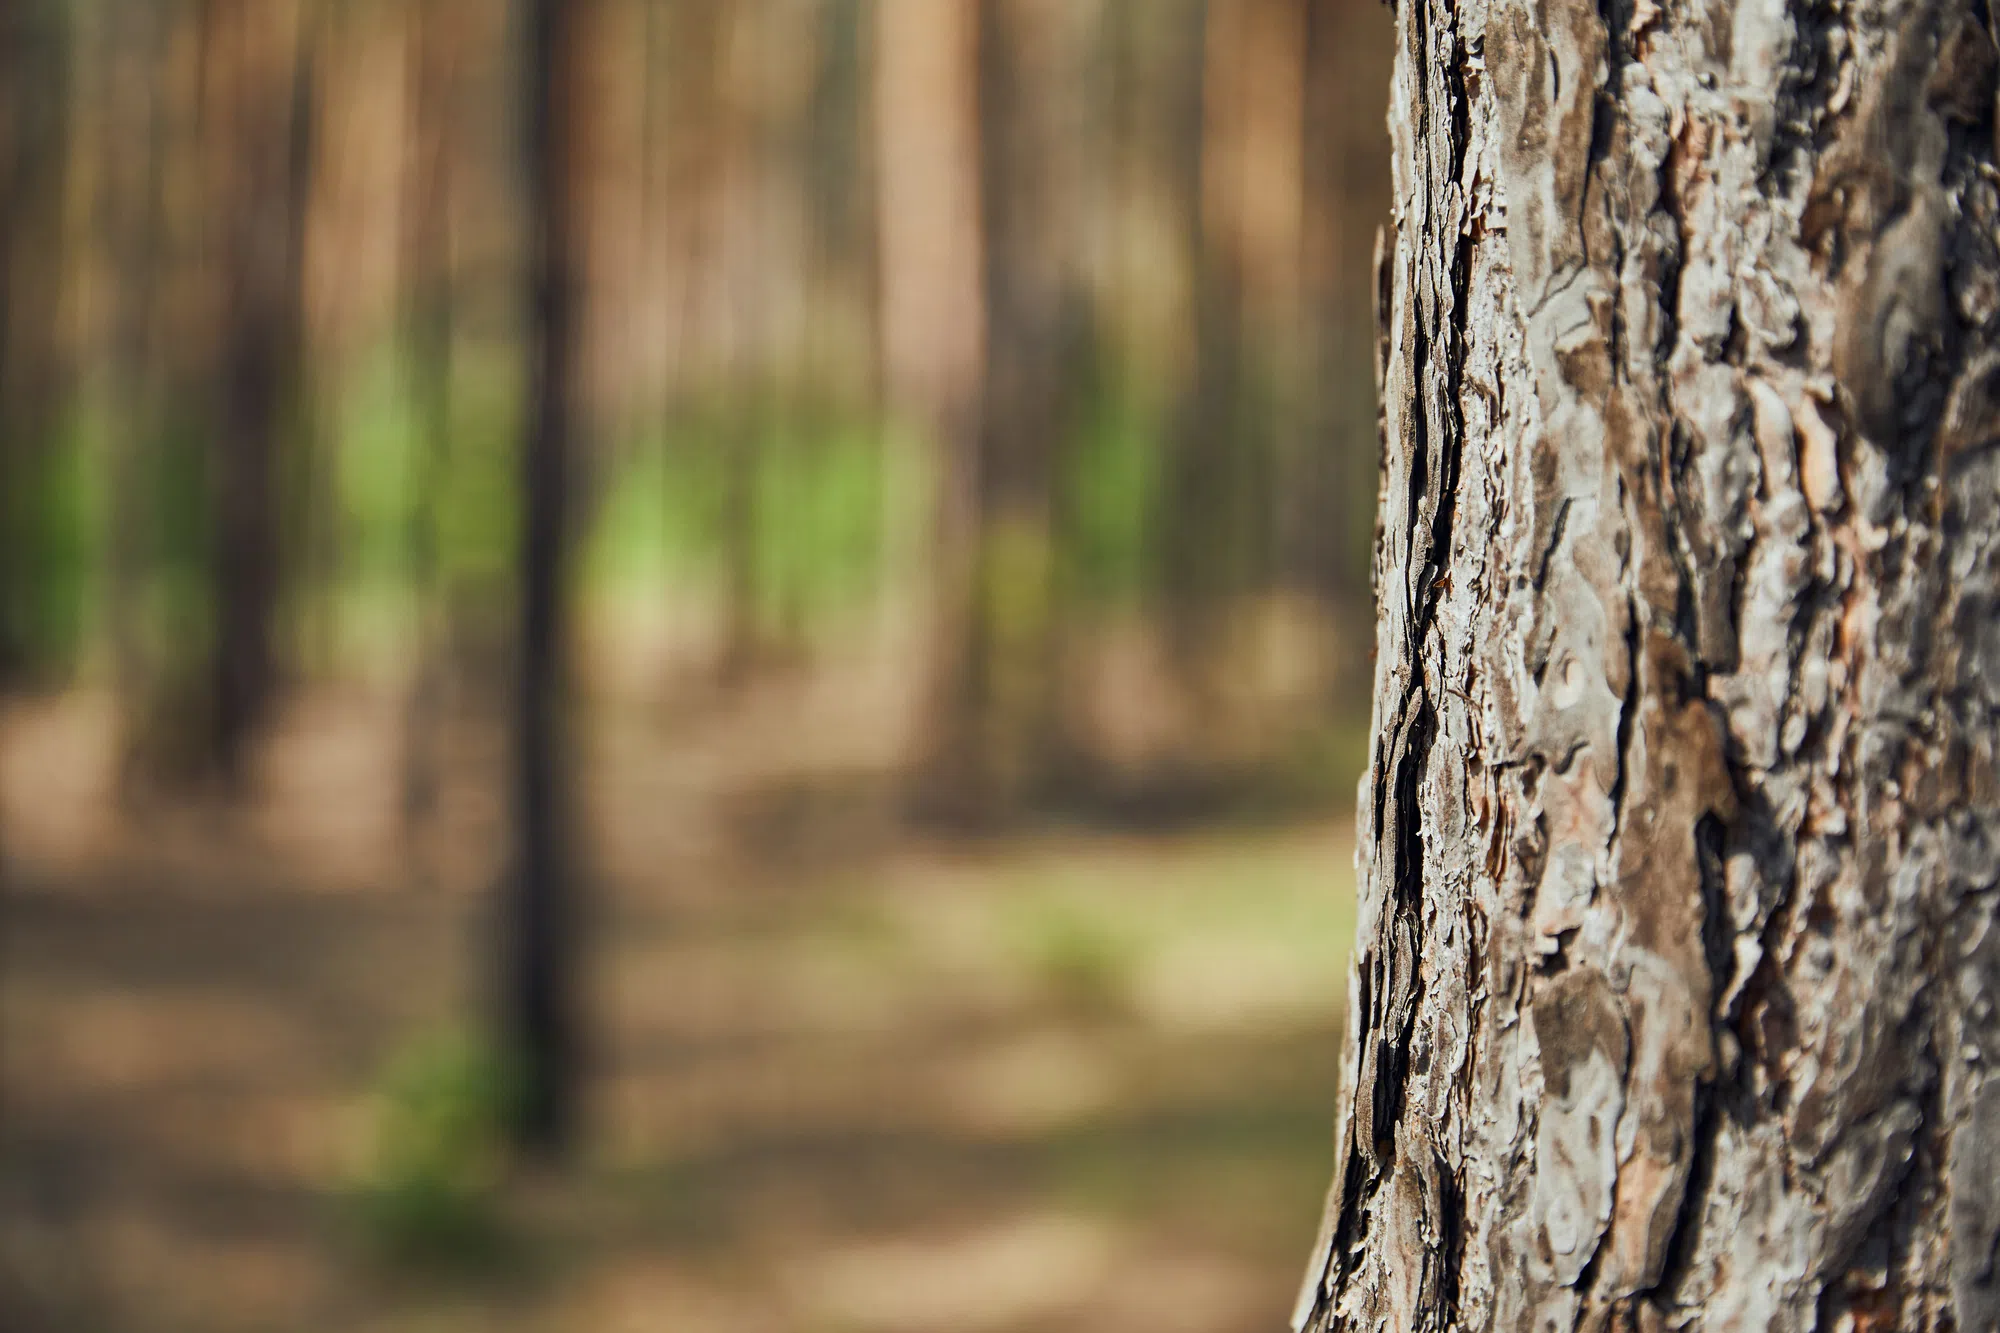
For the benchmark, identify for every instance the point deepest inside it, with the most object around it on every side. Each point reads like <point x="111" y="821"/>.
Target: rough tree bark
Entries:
<point x="1673" y="1001"/>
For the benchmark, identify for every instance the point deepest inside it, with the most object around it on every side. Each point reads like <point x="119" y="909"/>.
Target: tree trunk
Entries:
<point x="744" y="235"/>
<point x="13" y="562"/>
<point x="1223" y="488"/>
<point x="933" y="322"/>
<point x="261" y="103"/>
<point x="539" y="923"/>
<point x="134" y="126"/>
<point x="1673" y="990"/>
<point x="994" y="723"/>
<point x="431" y="91"/>
<point x="35" y="140"/>
<point x="1209" y="517"/>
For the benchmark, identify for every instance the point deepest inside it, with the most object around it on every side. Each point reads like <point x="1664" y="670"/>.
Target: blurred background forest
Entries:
<point x="678" y="663"/>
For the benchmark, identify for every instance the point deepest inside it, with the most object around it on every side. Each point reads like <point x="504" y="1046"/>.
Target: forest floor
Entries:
<point x="845" y="1076"/>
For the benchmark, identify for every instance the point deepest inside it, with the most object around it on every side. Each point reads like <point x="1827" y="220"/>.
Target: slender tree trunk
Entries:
<point x="1198" y="535"/>
<point x="994" y="718"/>
<point x="835" y="168"/>
<point x="692" y="134"/>
<point x="259" y="106"/>
<point x="933" y="320"/>
<point x="13" y="174"/>
<point x="134" y="126"/>
<point x="540" y="1021"/>
<point x="744" y="237"/>
<point x="1673" y="1000"/>
<point x="1219" y="495"/>
<point x="431" y="91"/>
<point x="35" y="140"/>
<point x="926" y="105"/>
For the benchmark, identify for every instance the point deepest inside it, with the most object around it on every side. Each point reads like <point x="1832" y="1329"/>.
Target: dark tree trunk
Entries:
<point x="739" y="131"/>
<point x="1197" y="542"/>
<point x="993" y="728"/>
<point x="13" y="575"/>
<point x="427" y="280"/>
<point x="1673" y="991"/>
<point x="262" y="108"/>
<point x="34" y="144"/>
<point x="134" y="125"/>
<point x="1219" y="495"/>
<point x="836" y="167"/>
<point x="539" y="914"/>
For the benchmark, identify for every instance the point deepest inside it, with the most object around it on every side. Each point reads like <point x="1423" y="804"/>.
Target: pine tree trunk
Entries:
<point x="131" y="216"/>
<point x="257" y="62"/>
<point x="997" y="725"/>
<point x="35" y="140"/>
<point x="1673" y="1000"/>
<point x="431" y="92"/>
<point x="539" y="999"/>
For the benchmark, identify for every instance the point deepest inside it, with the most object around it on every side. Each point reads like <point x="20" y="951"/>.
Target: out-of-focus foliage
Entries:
<point x="435" y="1153"/>
<point x="292" y="232"/>
<point x="967" y="446"/>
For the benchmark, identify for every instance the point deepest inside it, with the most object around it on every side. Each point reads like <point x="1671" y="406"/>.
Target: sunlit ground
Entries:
<point x="847" y="1077"/>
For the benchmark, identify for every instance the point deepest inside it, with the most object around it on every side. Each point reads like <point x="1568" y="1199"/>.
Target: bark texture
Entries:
<point x="1673" y="1001"/>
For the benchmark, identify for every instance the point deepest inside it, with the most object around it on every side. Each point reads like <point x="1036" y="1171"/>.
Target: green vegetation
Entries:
<point x="827" y="485"/>
<point x="819" y="494"/>
<point x="428" y="1189"/>
<point x="1081" y="960"/>
<point x="1107" y="489"/>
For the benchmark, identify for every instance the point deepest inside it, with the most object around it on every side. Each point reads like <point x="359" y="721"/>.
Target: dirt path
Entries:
<point x="845" y="1079"/>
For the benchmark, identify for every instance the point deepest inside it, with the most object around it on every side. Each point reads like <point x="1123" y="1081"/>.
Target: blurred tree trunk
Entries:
<point x="35" y="106"/>
<point x="837" y="169"/>
<point x="716" y="231"/>
<point x="927" y="145"/>
<point x="13" y="135"/>
<point x="771" y="49"/>
<point x="134" y="129"/>
<point x="993" y="726"/>
<point x="686" y="201"/>
<point x="539" y="914"/>
<point x="1673" y="990"/>
<point x="427" y="281"/>
<point x="1200" y="526"/>
<point x="933" y="322"/>
<point x="259" y="106"/>
<point x="739" y="132"/>
<point x="1152" y="100"/>
<point x="1345" y="187"/>
<point x="1240" y="177"/>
